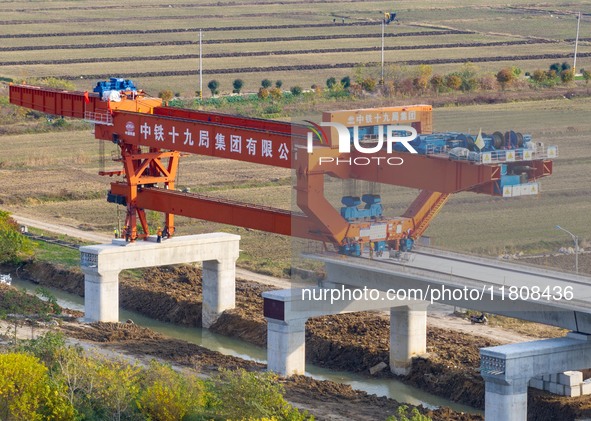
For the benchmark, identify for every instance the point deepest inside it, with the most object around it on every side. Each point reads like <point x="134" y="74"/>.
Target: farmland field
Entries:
<point x="53" y="175"/>
<point x="299" y="42"/>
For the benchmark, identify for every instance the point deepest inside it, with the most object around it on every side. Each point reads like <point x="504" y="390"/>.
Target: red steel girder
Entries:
<point x="247" y="144"/>
<point x="224" y="211"/>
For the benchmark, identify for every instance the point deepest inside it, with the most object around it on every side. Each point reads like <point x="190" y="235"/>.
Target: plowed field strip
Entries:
<point x="224" y="41"/>
<point x="271" y="16"/>
<point x="182" y="30"/>
<point x="326" y="66"/>
<point x="272" y="53"/>
<point x="176" y="6"/>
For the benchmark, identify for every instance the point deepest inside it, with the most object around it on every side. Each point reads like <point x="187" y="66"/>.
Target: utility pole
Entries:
<point x="200" y="67"/>
<point x="576" y="44"/>
<point x="383" y="25"/>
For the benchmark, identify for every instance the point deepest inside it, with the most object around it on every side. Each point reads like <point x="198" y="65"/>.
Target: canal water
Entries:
<point x="390" y="388"/>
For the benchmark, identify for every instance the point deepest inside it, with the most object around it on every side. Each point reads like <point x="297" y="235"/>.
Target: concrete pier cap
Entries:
<point x="102" y="263"/>
<point x="507" y="369"/>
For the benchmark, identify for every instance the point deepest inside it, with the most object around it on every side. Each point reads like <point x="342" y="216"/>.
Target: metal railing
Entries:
<point x="99" y="118"/>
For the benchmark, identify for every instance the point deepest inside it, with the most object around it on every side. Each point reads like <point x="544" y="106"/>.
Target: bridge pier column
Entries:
<point x="408" y="336"/>
<point x="506" y="401"/>
<point x="286" y="346"/>
<point x="101" y="295"/>
<point x="219" y="289"/>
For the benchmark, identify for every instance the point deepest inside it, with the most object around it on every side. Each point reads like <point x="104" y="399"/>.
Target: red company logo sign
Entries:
<point x="130" y="128"/>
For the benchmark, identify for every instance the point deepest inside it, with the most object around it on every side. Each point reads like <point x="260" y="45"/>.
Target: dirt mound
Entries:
<point x="169" y="294"/>
<point x="110" y="332"/>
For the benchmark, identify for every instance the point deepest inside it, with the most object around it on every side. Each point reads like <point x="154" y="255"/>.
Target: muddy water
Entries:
<point x="229" y="346"/>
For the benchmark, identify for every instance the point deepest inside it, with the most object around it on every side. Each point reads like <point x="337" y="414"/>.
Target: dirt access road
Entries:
<point x="74" y="232"/>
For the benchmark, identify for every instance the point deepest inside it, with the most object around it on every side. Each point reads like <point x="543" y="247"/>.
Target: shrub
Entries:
<point x="166" y="95"/>
<point x="276" y="93"/>
<point x="13" y="245"/>
<point x="247" y="395"/>
<point x="369" y="84"/>
<point x="169" y="396"/>
<point x="453" y="82"/>
<point x="505" y="77"/>
<point x="26" y="392"/>
<point x="266" y="83"/>
<point x="437" y="83"/>
<point x="346" y="82"/>
<point x="278" y="83"/>
<point x="296" y="90"/>
<point x="539" y="76"/>
<point x="330" y="82"/>
<point x="567" y="76"/>
<point x="263" y="93"/>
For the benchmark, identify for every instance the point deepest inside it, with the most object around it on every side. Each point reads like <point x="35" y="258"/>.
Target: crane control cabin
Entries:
<point x="152" y="137"/>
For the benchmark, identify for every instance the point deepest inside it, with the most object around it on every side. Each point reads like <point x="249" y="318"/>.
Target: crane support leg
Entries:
<point x="147" y="170"/>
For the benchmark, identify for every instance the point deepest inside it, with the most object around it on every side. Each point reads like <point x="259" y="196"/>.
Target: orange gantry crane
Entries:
<point x="152" y="138"/>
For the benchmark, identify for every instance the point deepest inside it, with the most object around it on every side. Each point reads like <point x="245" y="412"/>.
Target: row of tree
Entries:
<point x="47" y="380"/>
<point x="407" y="80"/>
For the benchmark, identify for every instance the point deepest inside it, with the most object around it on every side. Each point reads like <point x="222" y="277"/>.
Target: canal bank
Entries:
<point x="386" y="387"/>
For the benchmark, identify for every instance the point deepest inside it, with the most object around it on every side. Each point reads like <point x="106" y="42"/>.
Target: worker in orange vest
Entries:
<point x="159" y="235"/>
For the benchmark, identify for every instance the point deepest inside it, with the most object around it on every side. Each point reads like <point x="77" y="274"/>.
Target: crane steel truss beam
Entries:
<point x="137" y="124"/>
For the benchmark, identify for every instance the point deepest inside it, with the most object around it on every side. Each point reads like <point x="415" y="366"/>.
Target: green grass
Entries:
<point x="53" y="253"/>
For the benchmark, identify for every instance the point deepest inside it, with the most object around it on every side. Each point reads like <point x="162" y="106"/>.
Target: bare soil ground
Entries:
<point x="352" y="342"/>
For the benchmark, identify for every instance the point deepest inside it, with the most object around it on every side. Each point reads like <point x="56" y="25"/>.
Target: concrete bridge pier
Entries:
<point x="288" y="310"/>
<point x="101" y="265"/>
<point x="103" y="292"/>
<point x="219" y="289"/>
<point x="286" y="346"/>
<point x="408" y="336"/>
<point x="507" y="369"/>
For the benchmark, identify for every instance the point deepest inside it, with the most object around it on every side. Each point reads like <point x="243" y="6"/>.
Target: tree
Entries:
<point x="13" y="244"/>
<point x="166" y="95"/>
<point x="237" y="85"/>
<point x="346" y="82"/>
<point x="26" y="392"/>
<point x="266" y="83"/>
<point x="453" y="82"/>
<point x="505" y="77"/>
<point x="586" y="76"/>
<point x="556" y="67"/>
<point x="330" y="82"/>
<point x="213" y="86"/>
<point x="567" y="76"/>
<point x="564" y="66"/>
<point x="278" y="83"/>
<point x="437" y="83"/>
<point x="296" y="90"/>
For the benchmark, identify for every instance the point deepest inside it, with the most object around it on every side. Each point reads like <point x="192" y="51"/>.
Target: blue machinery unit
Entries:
<point x="115" y="84"/>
